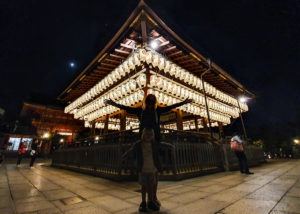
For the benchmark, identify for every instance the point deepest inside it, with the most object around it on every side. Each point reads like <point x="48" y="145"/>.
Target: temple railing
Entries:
<point x="182" y="154"/>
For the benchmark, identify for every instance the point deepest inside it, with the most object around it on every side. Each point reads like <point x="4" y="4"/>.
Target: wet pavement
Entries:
<point x="274" y="188"/>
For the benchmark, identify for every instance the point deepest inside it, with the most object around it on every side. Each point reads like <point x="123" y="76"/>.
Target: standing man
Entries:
<point x="237" y="147"/>
<point x="33" y="152"/>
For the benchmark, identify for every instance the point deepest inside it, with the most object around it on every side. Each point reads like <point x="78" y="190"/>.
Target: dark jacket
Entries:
<point x="149" y="119"/>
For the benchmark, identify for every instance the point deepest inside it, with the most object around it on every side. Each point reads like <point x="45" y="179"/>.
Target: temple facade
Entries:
<point x="147" y="57"/>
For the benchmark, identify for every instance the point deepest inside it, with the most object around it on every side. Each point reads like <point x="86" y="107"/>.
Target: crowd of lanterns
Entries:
<point x="90" y="106"/>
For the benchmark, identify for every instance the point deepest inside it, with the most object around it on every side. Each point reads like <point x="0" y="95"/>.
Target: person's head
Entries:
<point x="150" y="102"/>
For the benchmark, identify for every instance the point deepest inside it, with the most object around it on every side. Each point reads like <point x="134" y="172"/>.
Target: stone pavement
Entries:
<point x="274" y="188"/>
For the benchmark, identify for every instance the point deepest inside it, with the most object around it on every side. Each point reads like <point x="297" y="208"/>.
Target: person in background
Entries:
<point x="2" y="150"/>
<point x="33" y="152"/>
<point x="21" y="152"/>
<point x="237" y="147"/>
<point x="148" y="147"/>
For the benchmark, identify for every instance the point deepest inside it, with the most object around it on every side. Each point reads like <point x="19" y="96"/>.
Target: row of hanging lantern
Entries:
<point x="113" y="124"/>
<point x="132" y="123"/>
<point x="157" y="60"/>
<point x="122" y="70"/>
<point x="129" y="100"/>
<point x="182" y="92"/>
<point x="191" y="108"/>
<point x="124" y="89"/>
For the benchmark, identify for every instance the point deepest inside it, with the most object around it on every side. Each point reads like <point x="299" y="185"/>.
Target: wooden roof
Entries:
<point x="143" y="25"/>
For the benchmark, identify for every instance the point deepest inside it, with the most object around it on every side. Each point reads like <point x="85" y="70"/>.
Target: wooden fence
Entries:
<point x="182" y="154"/>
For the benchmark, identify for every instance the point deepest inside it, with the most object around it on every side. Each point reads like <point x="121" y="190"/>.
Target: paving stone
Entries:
<point x="232" y="182"/>
<point x="180" y="189"/>
<point x="19" y="194"/>
<point x="246" y="187"/>
<point x="294" y="192"/>
<point x="64" y="207"/>
<point x="98" y="187"/>
<point x="135" y="200"/>
<point x="266" y="194"/>
<point x="132" y="210"/>
<point x="50" y="211"/>
<point x="204" y="183"/>
<point x="33" y="206"/>
<point x="203" y="206"/>
<point x="261" y="180"/>
<point x="121" y="193"/>
<point x="289" y="204"/>
<point x="4" y="192"/>
<point x="214" y="188"/>
<point x="163" y="195"/>
<point x="58" y="194"/>
<point x="188" y="197"/>
<point x="30" y="199"/>
<point x="279" y="212"/>
<point x="88" y="210"/>
<point x="87" y="193"/>
<point x="169" y="205"/>
<point x="5" y="201"/>
<point x="111" y="204"/>
<point x="227" y="196"/>
<point x="7" y="210"/>
<point x="250" y="206"/>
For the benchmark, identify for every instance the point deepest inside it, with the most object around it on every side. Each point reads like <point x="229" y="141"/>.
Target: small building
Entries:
<point x="42" y="122"/>
<point x="50" y="120"/>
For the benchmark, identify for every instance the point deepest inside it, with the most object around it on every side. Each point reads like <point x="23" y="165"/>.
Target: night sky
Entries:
<point x="257" y="42"/>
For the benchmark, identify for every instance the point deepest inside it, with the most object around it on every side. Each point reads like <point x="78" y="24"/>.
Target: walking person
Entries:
<point x="237" y="147"/>
<point x="21" y="152"/>
<point x="33" y="152"/>
<point x="148" y="148"/>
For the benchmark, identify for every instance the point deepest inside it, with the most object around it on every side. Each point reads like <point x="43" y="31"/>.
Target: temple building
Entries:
<point x="147" y="57"/>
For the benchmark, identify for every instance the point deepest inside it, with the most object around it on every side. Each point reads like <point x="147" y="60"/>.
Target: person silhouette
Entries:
<point x="148" y="148"/>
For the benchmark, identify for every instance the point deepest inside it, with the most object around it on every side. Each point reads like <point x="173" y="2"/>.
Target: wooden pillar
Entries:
<point x="179" y="119"/>
<point x="106" y="125"/>
<point x="93" y="128"/>
<point x="204" y="124"/>
<point x="196" y="124"/>
<point x="123" y="120"/>
<point x="221" y="130"/>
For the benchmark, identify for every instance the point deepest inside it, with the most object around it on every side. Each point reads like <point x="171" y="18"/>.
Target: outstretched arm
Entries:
<point x="128" y="109"/>
<point x="169" y="108"/>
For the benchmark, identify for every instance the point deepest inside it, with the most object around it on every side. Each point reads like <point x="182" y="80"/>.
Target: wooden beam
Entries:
<point x="170" y="49"/>
<point x="113" y="61"/>
<point x="190" y="60"/>
<point x="164" y="43"/>
<point x="127" y="46"/>
<point x="103" y="68"/>
<point x="181" y="57"/>
<point x="117" y="56"/>
<point x="100" y="72"/>
<point x="108" y="65"/>
<point x="174" y="54"/>
<point x="144" y="31"/>
<point x="122" y="51"/>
